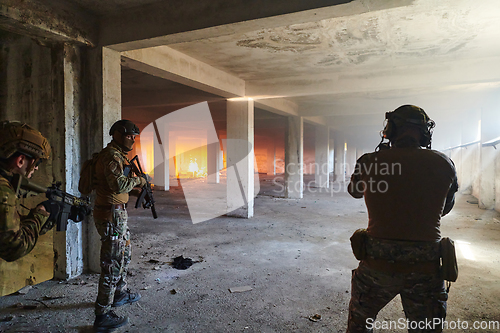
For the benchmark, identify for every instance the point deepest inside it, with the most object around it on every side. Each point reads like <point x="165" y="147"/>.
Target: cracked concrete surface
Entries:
<point x="294" y="254"/>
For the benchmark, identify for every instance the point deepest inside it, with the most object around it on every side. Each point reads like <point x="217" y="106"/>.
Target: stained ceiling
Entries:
<point x="351" y="70"/>
<point x="346" y="62"/>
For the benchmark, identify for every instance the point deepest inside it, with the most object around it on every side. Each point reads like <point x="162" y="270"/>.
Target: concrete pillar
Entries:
<point x="240" y="158"/>
<point x="172" y="153"/>
<point x="161" y="148"/>
<point x="487" y="178"/>
<point x="340" y="156"/>
<point x="213" y="160"/>
<point x="271" y="156"/>
<point x="497" y="181"/>
<point x="294" y="161"/>
<point x="69" y="245"/>
<point x="490" y="122"/>
<point x="322" y="149"/>
<point x="102" y="77"/>
<point x="350" y="162"/>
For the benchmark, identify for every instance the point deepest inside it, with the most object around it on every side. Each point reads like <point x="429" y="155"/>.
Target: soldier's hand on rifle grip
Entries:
<point x="142" y="182"/>
<point x="53" y="208"/>
<point x="78" y="213"/>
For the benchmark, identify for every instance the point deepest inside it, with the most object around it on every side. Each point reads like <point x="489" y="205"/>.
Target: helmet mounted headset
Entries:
<point x="407" y="115"/>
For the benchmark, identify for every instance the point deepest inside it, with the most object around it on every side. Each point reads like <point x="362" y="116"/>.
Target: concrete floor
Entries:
<point x="294" y="254"/>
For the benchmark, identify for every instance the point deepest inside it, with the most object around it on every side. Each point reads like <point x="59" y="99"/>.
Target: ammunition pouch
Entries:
<point x="358" y="243"/>
<point x="449" y="266"/>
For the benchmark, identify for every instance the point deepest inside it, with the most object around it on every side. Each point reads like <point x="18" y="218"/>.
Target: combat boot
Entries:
<point x="125" y="297"/>
<point x="109" y="321"/>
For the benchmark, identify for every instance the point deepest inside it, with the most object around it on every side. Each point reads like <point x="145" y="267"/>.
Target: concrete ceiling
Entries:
<point x="342" y="62"/>
<point x="441" y="55"/>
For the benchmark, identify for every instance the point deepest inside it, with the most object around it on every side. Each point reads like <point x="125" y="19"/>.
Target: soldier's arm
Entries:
<point x="450" y="197"/>
<point x="18" y="234"/>
<point x="117" y="181"/>
<point x="356" y="186"/>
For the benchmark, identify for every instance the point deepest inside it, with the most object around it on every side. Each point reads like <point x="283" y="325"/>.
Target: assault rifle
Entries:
<point x="78" y="208"/>
<point x="146" y="195"/>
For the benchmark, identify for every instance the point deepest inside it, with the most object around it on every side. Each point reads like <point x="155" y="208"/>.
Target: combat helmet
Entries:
<point x="119" y="131"/>
<point x="125" y="127"/>
<point x="22" y="138"/>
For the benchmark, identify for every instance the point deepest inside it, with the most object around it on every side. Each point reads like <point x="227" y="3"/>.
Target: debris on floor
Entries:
<point x="315" y="318"/>
<point x="240" y="289"/>
<point x="182" y="263"/>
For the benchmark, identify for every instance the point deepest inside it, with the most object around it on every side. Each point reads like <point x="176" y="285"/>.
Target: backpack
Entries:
<point x="86" y="182"/>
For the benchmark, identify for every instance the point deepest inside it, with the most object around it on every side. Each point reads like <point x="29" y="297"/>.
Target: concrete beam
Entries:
<point x="316" y="120"/>
<point x="146" y="26"/>
<point x="172" y="65"/>
<point x="49" y="21"/>
<point x="279" y="106"/>
<point x="470" y="71"/>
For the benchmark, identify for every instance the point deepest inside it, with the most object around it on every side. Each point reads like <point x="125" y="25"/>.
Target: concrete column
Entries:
<point x="271" y="156"/>
<point x="240" y="158"/>
<point x="161" y="148"/>
<point x="487" y="178"/>
<point x="490" y="122"/>
<point x="322" y="149"/>
<point x="339" y="157"/>
<point x="294" y="161"/>
<point x="69" y="245"/>
<point x="213" y="151"/>
<point x="172" y="153"/>
<point x="350" y="162"/>
<point x="497" y="181"/>
<point x="102" y="77"/>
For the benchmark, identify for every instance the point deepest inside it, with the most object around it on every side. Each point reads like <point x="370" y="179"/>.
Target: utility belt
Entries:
<point x="394" y="256"/>
<point x="111" y="207"/>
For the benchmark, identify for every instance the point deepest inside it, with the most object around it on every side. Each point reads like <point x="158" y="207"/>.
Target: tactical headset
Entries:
<point x="409" y="114"/>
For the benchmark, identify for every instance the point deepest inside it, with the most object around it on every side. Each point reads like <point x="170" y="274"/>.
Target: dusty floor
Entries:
<point x="294" y="254"/>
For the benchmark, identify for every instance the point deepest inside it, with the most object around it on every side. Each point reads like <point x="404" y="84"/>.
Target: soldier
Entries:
<point x="22" y="148"/>
<point x="406" y="189"/>
<point x="112" y="187"/>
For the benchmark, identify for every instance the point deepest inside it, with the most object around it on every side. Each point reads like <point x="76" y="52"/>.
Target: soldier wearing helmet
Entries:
<point x="407" y="189"/>
<point x="22" y="148"/>
<point x="112" y="186"/>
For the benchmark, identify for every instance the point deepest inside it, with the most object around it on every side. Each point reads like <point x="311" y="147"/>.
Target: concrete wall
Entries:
<point x="32" y="91"/>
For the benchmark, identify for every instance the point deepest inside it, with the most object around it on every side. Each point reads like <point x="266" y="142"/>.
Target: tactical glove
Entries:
<point x="53" y="208"/>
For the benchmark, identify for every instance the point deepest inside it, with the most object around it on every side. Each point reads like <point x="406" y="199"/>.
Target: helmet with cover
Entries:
<point x="21" y="138"/>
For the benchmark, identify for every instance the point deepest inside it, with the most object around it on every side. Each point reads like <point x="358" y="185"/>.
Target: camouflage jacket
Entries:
<point x="112" y="186"/>
<point x="18" y="234"/>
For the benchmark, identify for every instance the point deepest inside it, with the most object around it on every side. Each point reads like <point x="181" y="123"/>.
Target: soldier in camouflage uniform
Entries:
<point x="110" y="215"/>
<point x="22" y="148"/>
<point x="406" y="189"/>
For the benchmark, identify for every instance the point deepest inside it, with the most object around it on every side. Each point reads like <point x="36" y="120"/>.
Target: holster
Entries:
<point x="449" y="266"/>
<point x="358" y="243"/>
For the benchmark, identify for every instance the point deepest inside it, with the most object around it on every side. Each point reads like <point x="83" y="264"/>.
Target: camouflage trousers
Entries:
<point x="423" y="296"/>
<point x="115" y="258"/>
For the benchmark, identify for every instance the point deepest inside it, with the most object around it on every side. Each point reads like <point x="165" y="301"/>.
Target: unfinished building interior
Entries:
<point x="252" y="116"/>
